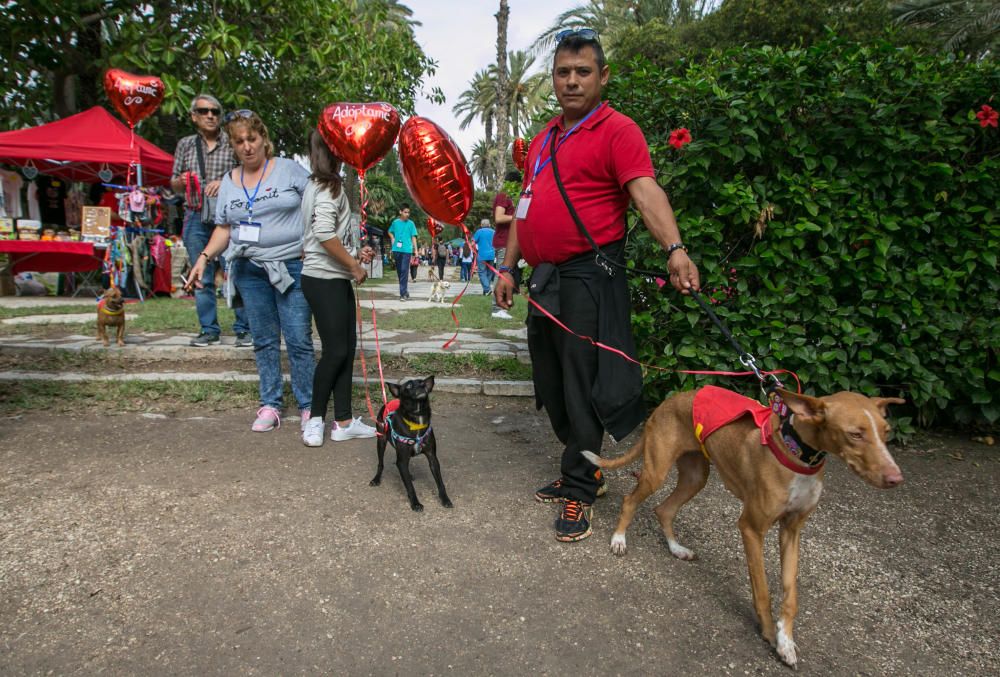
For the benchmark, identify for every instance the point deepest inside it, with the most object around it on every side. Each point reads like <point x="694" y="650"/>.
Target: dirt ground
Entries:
<point x="134" y="544"/>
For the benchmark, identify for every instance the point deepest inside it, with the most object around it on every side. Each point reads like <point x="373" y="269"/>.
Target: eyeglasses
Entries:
<point x="583" y="33"/>
<point x="241" y="113"/>
<point x="205" y="111"/>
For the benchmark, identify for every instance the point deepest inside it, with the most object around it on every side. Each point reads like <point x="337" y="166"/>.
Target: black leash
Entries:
<point x="609" y="264"/>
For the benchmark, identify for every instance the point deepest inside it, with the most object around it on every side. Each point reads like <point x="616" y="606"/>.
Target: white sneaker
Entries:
<point x="502" y="315"/>
<point x="312" y="432"/>
<point x="357" y="430"/>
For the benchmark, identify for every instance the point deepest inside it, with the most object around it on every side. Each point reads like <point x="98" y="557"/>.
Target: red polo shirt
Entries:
<point x="595" y="162"/>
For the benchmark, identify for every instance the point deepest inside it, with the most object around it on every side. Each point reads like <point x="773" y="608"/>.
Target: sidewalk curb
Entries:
<point x="461" y="386"/>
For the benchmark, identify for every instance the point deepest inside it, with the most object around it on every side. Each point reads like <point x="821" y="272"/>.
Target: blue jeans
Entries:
<point x="466" y="272"/>
<point x="402" y="272"/>
<point x="195" y="236"/>
<point x="272" y="315"/>
<point x="485" y="276"/>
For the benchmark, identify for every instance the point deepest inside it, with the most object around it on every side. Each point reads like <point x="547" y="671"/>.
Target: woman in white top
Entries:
<point x="330" y="266"/>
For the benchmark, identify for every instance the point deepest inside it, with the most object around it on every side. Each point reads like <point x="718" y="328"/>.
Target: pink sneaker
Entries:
<point x="306" y="414"/>
<point x="267" y="420"/>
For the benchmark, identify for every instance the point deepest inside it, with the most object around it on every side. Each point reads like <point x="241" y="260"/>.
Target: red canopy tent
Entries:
<point x="78" y="147"/>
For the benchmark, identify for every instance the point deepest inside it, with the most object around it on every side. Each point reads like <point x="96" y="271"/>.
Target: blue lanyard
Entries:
<point x="251" y="198"/>
<point x="539" y="165"/>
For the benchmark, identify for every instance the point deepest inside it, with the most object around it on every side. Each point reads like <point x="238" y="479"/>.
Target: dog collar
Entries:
<point x="104" y="309"/>
<point x="414" y="426"/>
<point x="813" y="458"/>
<point x="416" y="440"/>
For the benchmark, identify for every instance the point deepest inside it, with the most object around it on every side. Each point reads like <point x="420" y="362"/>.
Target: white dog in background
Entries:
<point x="438" y="291"/>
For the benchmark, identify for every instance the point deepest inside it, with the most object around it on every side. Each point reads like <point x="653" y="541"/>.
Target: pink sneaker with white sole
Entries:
<point x="267" y="420"/>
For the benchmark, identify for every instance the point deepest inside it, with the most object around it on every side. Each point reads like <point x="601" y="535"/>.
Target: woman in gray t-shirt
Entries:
<point x="259" y="226"/>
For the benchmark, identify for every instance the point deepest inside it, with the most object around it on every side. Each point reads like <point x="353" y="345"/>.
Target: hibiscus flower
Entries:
<point x="987" y="117"/>
<point x="679" y="138"/>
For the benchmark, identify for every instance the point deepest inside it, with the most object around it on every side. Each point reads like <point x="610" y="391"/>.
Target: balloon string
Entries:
<point x="364" y="204"/>
<point x="475" y="259"/>
<point x="364" y="362"/>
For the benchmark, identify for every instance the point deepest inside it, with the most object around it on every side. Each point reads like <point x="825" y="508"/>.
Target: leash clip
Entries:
<point x="599" y="260"/>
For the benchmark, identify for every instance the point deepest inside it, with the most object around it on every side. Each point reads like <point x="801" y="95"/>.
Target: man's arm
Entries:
<point x="503" y="293"/>
<point x="500" y="216"/>
<point x="658" y="216"/>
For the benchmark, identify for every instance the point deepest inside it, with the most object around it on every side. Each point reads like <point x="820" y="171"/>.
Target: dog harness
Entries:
<point x="102" y="307"/>
<point x="715" y="407"/>
<point x="416" y="441"/>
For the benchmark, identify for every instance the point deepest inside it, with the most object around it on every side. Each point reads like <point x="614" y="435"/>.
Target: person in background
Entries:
<point x="503" y="217"/>
<point x="259" y="218"/>
<point x="483" y="238"/>
<point x="200" y="162"/>
<point x="330" y="269"/>
<point x="403" y="243"/>
<point x="604" y="163"/>
<point x="465" y="274"/>
<point x="440" y="256"/>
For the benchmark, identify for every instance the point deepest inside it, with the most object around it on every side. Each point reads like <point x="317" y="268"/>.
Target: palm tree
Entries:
<point x="502" y="86"/>
<point x="485" y="157"/>
<point x="972" y="26"/>
<point x="529" y="94"/>
<point x="478" y="102"/>
<point x="611" y="17"/>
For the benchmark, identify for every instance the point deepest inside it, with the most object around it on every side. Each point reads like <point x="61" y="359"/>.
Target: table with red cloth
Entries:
<point x="53" y="256"/>
<point x="50" y="256"/>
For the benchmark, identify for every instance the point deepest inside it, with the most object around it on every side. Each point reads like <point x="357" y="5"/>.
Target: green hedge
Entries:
<point x="842" y="202"/>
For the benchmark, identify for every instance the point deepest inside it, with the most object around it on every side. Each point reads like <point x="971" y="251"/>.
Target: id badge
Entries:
<point x="522" y="207"/>
<point x="250" y="231"/>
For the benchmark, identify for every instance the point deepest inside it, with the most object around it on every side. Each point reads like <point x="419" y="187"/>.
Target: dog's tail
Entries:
<point x="613" y="463"/>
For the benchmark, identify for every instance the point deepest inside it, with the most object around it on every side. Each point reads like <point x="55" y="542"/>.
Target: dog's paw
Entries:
<point x="417" y="507"/>
<point x="375" y="482"/>
<point x="786" y="646"/>
<point x="680" y="552"/>
<point x="446" y="502"/>
<point x="618" y="544"/>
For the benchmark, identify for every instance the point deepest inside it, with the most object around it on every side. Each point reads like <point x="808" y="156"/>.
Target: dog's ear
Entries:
<point x="394" y="389"/>
<point x="808" y="408"/>
<point x="429" y="383"/>
<point x="883" y="403"/>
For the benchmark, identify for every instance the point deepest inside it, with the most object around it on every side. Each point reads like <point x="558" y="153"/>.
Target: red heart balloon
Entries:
<point x="435" y="171"/>
<point x="360" y="134"/>
<point x="135" y="97"/>
<point x="518" y="154"/>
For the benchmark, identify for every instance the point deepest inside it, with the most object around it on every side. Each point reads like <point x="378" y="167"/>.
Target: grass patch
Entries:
<point x="459" y="366"/>
<point x="163" y="397"/>
<point x="134" y="396"/>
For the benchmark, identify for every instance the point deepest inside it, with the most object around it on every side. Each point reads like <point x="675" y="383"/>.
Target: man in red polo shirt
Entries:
<point x="603" y="162"/>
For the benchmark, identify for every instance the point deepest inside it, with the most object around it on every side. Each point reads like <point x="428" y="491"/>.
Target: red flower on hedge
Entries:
<point x="987" y="117"/>
<point x="681" y="137"/>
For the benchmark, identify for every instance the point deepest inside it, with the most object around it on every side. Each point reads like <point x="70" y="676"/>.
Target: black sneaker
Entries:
<point x="243" y="340"/>
<point x="573" y="523"/>
<point x="203" y="339"/>
<point x="552" y="492"/>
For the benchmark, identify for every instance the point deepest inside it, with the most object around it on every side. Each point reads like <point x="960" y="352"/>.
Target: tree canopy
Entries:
<point x="284" y="60"/>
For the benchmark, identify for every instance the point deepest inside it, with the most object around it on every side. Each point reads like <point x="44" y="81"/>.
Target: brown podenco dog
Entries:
<point x="779" y="481"/>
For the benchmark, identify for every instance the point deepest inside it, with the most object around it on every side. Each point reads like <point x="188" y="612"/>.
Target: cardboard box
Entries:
<point x="7" y="228"/>
<point x="28" y="229"/>
<point x="95" y="223"/>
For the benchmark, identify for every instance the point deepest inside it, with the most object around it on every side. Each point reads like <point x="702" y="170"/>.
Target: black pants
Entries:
<point x="440" y="264"/>
<point x="334" y="309"/>
<point x="564" y="369"/>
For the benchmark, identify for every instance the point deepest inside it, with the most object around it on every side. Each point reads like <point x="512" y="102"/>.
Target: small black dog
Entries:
<point x="405" y="423"/>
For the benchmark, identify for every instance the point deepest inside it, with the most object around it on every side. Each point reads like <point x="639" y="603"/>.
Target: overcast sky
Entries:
<point x="462" y="37"/>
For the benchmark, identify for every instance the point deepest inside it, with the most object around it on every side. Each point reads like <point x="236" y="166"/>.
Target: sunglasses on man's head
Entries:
<point x="584" y="33"/>
<point x="242" y="113"/>
<point x="205" y="111"/>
